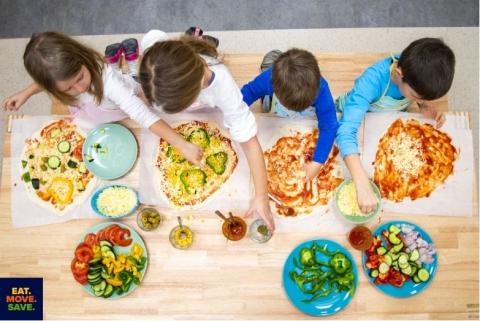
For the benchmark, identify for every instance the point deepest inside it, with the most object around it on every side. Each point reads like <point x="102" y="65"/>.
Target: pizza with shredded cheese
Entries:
<point x="52" y="167"/>
<point x="186" y="185"/>
<point x="285" y="161"/>
<point x="412" y="160"/>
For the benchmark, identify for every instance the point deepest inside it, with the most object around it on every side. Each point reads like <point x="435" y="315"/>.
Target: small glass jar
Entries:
<point x="234" y="228"/>
<point x="181" y="237"/>
<point x="148" y="219"/>
<point x="259" y="231"/>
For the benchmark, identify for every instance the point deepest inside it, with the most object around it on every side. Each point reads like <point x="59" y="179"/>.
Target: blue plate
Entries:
<point x="328" y="305"/>
<point x="409" y="288"/>
<point x="110" y="151"/>
<point x="93" y="202"/>
<point x="120" y="250"/>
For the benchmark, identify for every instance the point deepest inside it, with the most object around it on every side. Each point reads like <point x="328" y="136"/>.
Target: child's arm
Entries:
<point x="15" y="101"/>
<point x="260" y="203"/>
<point x="327" y="125"/>
<point x="258" y="88"/>
<point x="429" y="111"/>
<point x="367" y="89"/>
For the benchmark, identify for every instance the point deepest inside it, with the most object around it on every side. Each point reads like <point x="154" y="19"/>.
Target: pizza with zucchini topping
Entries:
<point x="186" y="185"/>
<point x="52" y="167"/>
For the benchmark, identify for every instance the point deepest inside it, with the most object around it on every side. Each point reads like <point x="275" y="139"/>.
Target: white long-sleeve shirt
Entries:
<point x="224" y="94"/>
<point x="120" y="92"/>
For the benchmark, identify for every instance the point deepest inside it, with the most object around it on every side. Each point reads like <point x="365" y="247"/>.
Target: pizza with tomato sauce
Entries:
<point x="285" y="161"/>
<point x="53" y="170"/>
<point x="412" y="160"/>
<point x="186" y="185"/>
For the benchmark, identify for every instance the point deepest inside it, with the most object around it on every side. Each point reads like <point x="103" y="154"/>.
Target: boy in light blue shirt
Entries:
<point x="421" y="73"/>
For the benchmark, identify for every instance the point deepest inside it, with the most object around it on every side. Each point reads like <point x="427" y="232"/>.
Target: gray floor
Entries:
<point x="20" y="18"/>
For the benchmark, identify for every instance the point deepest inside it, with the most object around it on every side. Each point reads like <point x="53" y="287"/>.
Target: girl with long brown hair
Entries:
<point x="185" y="74"/>
<point x="94" y="92"/>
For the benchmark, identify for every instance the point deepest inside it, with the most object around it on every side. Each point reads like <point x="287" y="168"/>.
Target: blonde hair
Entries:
<point x="171" y="72"/>
<point x="52" y="56"/>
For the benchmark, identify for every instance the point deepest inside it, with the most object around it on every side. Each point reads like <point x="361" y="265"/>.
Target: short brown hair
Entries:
<point x="171" y="72"/>
<point x="296" y="78"/>
<point x="52" y="56"/>
<point x="428" y="66"/>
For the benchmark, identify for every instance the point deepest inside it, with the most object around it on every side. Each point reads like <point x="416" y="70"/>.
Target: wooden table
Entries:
<point x="217" y="279"/>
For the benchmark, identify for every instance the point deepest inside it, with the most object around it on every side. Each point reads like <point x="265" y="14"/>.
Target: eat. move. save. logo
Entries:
<point x="21" y="299"/>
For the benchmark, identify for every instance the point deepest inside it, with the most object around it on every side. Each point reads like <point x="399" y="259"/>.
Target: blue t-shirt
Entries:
<point x="324" y="105"/>
<point x="367" y="89"/>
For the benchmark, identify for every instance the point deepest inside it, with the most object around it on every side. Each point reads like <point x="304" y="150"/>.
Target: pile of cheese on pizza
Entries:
<point x="53" y="170"/>
<point x="186" y="185"/>
<point x="285" y="161"/>
<point x="412" y="160"/>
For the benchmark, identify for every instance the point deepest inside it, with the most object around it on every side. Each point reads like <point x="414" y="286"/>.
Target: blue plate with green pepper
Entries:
<point x="320" y="277"/>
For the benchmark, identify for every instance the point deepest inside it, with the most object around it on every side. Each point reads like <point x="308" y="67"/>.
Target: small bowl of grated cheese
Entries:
<point x="115" y="201"/>
<point x="347" y="205"/>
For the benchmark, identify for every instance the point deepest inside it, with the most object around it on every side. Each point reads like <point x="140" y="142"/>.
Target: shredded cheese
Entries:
<point x="116" y="201"/>
<point x="347" y="200"/>
<point x="407" y="157"/>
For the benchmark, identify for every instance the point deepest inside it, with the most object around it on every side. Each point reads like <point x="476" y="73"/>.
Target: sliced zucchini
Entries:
<point x="64" y="146"/>
<point x="53" y="162"/>
<point x="381" y="250"/>
<point x="383" y="268"/>
<point x="423" y="275"/>
<point x="35" y="183"/>
<point x="72" y="164"/>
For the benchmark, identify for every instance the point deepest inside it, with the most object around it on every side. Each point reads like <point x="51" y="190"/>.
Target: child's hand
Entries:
<point x="14" y="102"/>
<point x="367" y="201"/>
<point x="311" y="169"/>
<point x="261" y="206"/>
<point x="192" y="153"/>
<point x="432" y="113"/>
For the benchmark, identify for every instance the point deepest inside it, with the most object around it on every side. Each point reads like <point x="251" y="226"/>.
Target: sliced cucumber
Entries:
<point x="388" y="260"/>
<point x="394" y="239"/>
<point x="374" y="273"/>
<point x="407" y="270"/>
<point x="106" y="243"/>
<point x="106" y="276"/>
<point x="95" y="261"/>
<point x="53" y="162"/>
<point x="95" y="268"/>
<point x="63" y="147"/>
<point x="397" y="248"/>
<point x="381" y="250"/>
<point x="108" y="291"/>
<point x="403" y="259"/>
<point x="394" y="229"/>
<point x="423" y="275"/>
<point x="415" y="255"/>
<point x="416" y="279"/>
<point x="414" y="270"/>
<point x="383" y="268"/>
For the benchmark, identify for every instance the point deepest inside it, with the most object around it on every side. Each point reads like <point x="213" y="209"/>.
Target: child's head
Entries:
<point x="172" y="72"/>
<point x="426" y="68"/>
<point x="296" y="78"/>
<point x="63" y="67"/>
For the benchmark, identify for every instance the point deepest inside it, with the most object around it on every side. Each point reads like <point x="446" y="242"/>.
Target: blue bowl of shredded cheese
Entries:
<point x="115" y="201"/>
<point x="347" y="206"/>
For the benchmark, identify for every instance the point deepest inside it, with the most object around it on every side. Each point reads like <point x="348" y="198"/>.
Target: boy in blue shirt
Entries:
<point x="423" y="72"/>
<point x="297" y="89"/>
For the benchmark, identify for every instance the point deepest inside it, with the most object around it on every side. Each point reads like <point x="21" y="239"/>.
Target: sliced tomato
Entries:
<point x="83" y="253"/>
<point x="122" y="237"/>
<point x="82" y="279"/>
<point x="79" y="268"/>
<point x="111" y="233"/>
<point x="90" y="239"/>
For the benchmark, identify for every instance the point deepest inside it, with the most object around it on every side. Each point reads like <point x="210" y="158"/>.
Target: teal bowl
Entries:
<point x="93" y="202"/>
<point x="350" y="217"/>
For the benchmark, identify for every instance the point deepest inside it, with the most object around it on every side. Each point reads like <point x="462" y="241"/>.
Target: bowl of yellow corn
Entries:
<point x="347" y="205"/>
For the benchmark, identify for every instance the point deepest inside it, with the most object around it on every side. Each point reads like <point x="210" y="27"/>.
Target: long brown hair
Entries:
<point x="171" y="72"/>
<point x="52" y="56"/>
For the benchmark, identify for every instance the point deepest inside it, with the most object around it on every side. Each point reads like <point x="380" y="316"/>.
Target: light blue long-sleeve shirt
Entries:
<point x="324" y="108"/>
<point x="368" y="88"/>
